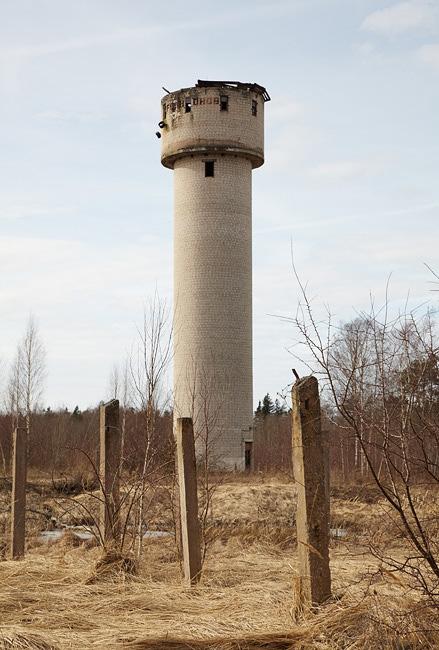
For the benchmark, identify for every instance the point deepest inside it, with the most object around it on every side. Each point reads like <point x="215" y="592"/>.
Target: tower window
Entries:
<point x="164" y="111"/>
<point x="254" y="107"/>
<point x="224" y="103"/>
<point x="209" y="168"/>
<point x="248" y="456"/>
<point x="187" y="105"/>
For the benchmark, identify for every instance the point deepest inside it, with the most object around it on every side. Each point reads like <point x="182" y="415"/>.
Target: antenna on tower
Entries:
<point x="166" y="90"/>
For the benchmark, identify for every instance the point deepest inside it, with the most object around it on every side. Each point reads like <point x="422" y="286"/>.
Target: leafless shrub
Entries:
<point x="148" y="365"/>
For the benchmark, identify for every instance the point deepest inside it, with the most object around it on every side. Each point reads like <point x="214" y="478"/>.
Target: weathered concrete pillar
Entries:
<point x="310" y="473"/>
<point x="18" y="505"/>
<point x="187" y="480"/>
<point x="110" y="462"/>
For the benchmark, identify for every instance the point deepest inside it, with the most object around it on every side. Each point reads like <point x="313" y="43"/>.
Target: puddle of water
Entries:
<point x="156" y="533"/>
<point x="338" y="533"/>
<point x="58" y="533"/>
<point x="51" y="535"/>
<point x="84" y="535"/>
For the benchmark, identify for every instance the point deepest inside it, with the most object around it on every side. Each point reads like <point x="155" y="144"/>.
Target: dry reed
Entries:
<point x="12" y="640"/>
<point x="245" y="600"/>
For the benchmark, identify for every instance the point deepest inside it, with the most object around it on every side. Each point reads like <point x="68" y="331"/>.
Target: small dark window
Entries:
<point x="164" y="112"/>
<point x="209" y="168"/>
<point x="224" y="103"/>
<point x="187" y="105"/>
<point x="248" y="456"/>
<point x="307" y="404"/>
<point x="173" y="107"/>
<point x="254" y="107"/>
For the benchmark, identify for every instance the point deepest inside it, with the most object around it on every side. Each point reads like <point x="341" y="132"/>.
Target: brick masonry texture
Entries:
<point x="206" y="127"/>
<point x="213" y="264"/>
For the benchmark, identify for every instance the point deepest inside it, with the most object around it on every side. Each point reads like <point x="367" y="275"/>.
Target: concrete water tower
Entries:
<point x="213" y="137"/>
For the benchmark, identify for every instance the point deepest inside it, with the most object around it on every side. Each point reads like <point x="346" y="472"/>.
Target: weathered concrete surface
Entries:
<point x="311" y="475"/>
<point x="18" y="506"/>
<point x="110" y="461"/>
<point x="187" y="480"/>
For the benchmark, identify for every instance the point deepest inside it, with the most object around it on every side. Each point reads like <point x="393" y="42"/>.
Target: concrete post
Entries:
<point x="310" y="472"/>
<point x="18" y="506"/>
<point x="110" y="461"/>
<point x="187" y="479"/>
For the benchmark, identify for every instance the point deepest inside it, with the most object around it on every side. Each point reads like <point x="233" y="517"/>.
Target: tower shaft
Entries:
<point x="213" y="302"/>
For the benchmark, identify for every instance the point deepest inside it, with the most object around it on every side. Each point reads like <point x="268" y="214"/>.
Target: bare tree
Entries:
<point x="27" y="376"/>
<point x="119" y="388"/>
<point x="114" y="382"/>
<point x="148" y="366"/>
<point x="14" y="400"/>
<point x="381" y="377"/>
<point x="32" y="370"/>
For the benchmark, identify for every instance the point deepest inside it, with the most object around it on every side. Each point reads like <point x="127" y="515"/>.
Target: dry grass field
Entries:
<point x="57" y="597"/>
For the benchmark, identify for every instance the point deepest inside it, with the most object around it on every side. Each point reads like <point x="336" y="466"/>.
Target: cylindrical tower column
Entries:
<point x="212" y="138"/>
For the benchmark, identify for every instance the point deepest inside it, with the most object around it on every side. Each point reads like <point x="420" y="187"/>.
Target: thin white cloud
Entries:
<point x="402" y="17"/>
<point x="30" y="210"/>
<point x="397" y="250"/>
<point x="71" y="116"/>
<point x="366" y="48"/>
<point x="42" y="269"/>
<point x="92" y="40"/>
<point x="87" y="303"/>
<point x="290" y="140"/>
<point x="309" y="223"/>
<point x="56" y="47"/>
<point x="342" y="170"/>
<point x="430" y="54"/>
<point x="285" y="108"/>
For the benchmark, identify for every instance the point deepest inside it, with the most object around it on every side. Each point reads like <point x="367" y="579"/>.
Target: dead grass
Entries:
<point x="13" y="640"/>
<point x="245" y="600"/>
<point x="111" y="565"/>
<point x="58" y="598"/>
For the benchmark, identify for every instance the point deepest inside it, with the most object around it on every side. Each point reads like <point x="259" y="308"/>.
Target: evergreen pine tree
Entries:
<point x="77" y="413"/>
<point x="267" y="405"/>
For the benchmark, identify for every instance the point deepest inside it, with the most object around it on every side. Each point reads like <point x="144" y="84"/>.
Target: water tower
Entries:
<point x="212" y="138"/>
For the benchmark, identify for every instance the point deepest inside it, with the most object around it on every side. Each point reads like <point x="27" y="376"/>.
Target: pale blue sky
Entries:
<point x="351" y="172"/>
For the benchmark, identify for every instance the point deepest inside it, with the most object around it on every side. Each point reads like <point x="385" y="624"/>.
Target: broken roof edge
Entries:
<point x="235" y="84"/>
<point x="225" y="84"/>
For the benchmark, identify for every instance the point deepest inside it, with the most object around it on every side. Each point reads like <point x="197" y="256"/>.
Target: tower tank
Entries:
<point x="212" y="138"/>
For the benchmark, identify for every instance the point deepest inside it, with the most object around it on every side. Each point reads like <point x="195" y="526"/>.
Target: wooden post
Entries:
<point x="18" y="505"/>
<point x="187" y="479"/>
<point x="312" y="482"/>
<point x="110" y="461"/>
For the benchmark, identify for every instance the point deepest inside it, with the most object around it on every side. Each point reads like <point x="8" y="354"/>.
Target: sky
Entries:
<point x="349" y="188"/>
